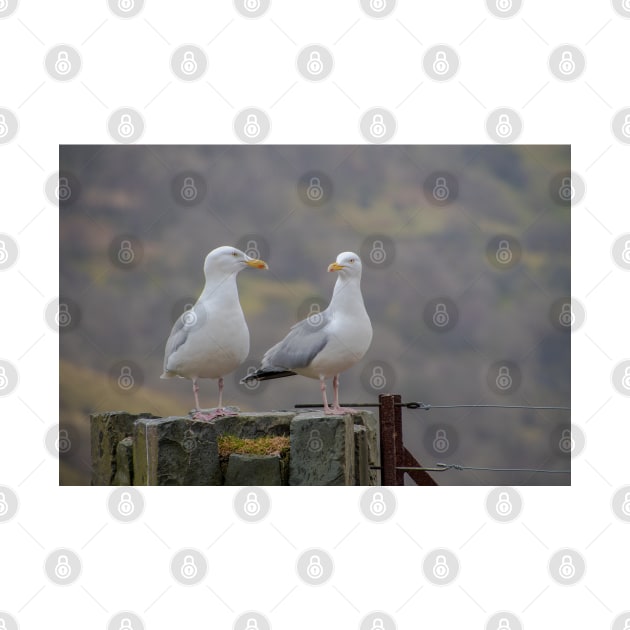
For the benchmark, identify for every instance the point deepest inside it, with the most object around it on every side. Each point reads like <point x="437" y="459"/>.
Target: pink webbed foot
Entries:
<point x="337" y="409"/>
<point x="341" y="410"/>
<point x="213" y="415"/>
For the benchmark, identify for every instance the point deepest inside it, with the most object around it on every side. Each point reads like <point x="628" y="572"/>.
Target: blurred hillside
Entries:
<point x="437" y="251"/>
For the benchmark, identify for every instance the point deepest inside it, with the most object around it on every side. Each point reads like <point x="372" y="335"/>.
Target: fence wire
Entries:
<point x="441" y="466"/>
<point x="428" y="406"/>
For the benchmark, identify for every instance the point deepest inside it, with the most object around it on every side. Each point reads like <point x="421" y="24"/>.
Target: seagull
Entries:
<point x="328" y="342"/>
<point x="211" y="339"/>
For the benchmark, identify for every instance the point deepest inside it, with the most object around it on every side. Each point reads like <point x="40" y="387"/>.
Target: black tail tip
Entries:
<point x="266" y="375"/>
<point x="250" y="377"/>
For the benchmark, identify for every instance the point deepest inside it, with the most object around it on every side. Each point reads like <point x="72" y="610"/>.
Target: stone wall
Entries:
<point x="141" y="449"/>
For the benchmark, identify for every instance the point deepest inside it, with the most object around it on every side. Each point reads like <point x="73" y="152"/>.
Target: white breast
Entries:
<point x="349" y="338"/>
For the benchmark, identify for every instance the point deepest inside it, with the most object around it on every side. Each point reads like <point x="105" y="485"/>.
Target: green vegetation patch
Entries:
<point x="265" y="445"/>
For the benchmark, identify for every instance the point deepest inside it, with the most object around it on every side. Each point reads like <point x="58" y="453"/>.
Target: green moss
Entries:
<point x="266" y="445"/>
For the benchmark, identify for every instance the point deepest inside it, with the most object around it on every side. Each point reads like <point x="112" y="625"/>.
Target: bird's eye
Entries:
<point x="351" y="260"/>
<point x="234" y="254"/>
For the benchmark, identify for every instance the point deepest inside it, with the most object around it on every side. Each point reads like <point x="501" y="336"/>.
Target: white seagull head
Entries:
<point x="347" y="264"/>
<point x="229" y="260"/>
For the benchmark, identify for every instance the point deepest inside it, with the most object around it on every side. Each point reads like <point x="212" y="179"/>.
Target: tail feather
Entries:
<point x="266" y="375"/>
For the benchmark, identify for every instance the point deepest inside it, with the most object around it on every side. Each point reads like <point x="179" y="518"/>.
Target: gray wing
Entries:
<point x="303" y="343"/>
<point x="181" y="331"/>
<point x="177" y="338"/>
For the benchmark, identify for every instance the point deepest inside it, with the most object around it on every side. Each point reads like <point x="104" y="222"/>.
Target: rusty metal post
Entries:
<point x="398" y="439"/>
<point x="387" y="429"/>
<point x="394" y="455"/>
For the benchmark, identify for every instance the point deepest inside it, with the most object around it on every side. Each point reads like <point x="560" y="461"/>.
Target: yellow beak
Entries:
<point x="257" y="264"/>
<point x="335" y="267"/>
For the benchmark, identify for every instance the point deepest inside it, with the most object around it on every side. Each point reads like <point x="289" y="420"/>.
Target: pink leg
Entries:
<point x="218" y="412"/>
<point x="322" y="388"/>
<point x="220" y="405"/>
<point x="336" y="407"/>
<point x="196" y="393"/>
